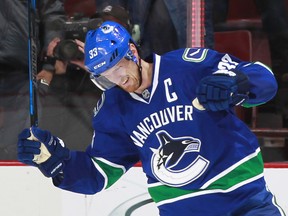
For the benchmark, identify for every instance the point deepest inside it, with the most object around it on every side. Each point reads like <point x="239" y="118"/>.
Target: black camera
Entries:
<point x="75" y="28"/>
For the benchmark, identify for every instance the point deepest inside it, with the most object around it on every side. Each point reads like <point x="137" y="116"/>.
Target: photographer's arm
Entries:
<point x="52" y="16"/>
<point x="51" y="66"/>
<point x="46" y="74"/>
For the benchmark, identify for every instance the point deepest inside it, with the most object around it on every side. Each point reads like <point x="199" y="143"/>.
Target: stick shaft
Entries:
<point x="32" y="58"/>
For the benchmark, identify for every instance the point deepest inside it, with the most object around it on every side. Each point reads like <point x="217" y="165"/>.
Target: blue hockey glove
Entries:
<point x="222" y="91"/>
<point x="39" y="148"/>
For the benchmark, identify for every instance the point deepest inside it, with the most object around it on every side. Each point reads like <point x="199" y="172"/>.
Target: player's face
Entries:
<point x="125" y="74"/>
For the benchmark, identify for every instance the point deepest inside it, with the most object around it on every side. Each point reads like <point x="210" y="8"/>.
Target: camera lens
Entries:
<point x="67" y="50"/>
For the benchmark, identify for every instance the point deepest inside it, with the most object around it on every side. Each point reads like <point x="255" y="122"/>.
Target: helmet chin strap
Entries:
<point x="132" y="57"/>
<point x="146" y="92"/>
<point x="139" y="71"/>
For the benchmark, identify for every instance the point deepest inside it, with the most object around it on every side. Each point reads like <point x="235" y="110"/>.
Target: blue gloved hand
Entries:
<point x="222" y="91"/>
<point x="39" y="148"/>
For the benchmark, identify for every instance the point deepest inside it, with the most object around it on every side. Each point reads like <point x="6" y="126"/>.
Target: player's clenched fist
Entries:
<point x="39" y="148"/>
<point x="221" y="91"/>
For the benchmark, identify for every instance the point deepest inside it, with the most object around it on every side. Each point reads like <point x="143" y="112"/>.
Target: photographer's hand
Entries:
<point x="79" y="63"/>
<point x="51" y="47"/>
<point x="80" y="45"/>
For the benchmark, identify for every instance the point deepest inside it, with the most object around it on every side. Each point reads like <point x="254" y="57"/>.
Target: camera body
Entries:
<point x="74" y="28"/>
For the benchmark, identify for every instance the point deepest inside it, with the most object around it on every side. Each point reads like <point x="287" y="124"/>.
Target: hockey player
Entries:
<point x="176" y="116"/>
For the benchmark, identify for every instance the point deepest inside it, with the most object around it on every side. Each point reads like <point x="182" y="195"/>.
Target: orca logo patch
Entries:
<point x="176" y="162"/>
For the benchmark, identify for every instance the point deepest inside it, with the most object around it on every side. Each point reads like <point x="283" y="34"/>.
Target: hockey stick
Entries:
<point x="32" y="62"/>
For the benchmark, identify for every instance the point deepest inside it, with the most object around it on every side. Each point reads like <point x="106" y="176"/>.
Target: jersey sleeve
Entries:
<point x="110" y="155"/>
<point x="263" y="85"/>
<point x="103" y="163"/>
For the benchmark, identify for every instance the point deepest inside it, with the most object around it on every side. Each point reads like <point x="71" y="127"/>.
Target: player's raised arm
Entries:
<point x="221" y="91"/>
<point x="262" y="82"/>
<point x="233" y="82"/>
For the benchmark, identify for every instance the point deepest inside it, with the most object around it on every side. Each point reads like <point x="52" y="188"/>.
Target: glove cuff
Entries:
<point x="55" y="164"/>
<point x="243" y="88"/>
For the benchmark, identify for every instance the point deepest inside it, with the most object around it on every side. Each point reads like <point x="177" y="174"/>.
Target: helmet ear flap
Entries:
<point x="131" y="56"/>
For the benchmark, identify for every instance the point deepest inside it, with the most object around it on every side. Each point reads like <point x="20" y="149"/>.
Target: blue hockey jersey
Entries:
<point x="196" y="161"/>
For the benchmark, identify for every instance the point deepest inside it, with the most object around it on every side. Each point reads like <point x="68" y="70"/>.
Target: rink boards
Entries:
<point x="26" y="192"/>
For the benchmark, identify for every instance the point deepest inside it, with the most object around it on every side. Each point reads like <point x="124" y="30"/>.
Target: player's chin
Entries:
<point x="129" y="88"/>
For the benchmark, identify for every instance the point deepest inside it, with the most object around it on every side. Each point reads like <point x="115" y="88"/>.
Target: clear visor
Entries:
<point x="102" y="82"/>
<point x="111" y="77"/>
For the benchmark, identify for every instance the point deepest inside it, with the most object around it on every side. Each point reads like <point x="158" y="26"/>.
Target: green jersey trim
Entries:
<point x="247" y="105"/>
<point x="245" y="171"/>
<point x="110" y="171"/>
